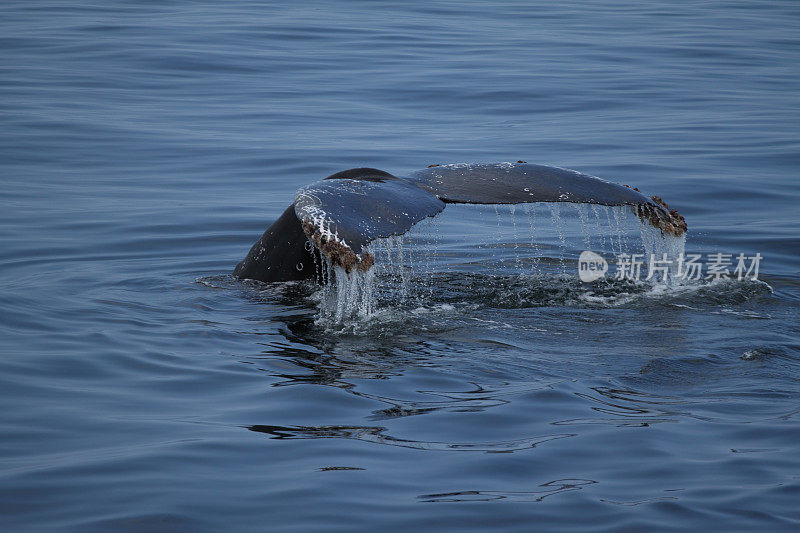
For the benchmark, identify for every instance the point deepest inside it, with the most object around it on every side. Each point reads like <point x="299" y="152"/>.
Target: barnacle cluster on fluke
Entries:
<point x="660" y="216"/>
<point x="667" y="220"/>
<point x="338" y="254"/>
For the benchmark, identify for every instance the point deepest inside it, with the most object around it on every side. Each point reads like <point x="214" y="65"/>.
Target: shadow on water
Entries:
<point x="545" y="489"/>
<point x="378" y="435"/>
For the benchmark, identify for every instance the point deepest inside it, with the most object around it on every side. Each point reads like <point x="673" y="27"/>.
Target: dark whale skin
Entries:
<point x="281" y="254"/>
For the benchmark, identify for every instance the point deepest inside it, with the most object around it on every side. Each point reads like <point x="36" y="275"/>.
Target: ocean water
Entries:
<point x="144" y="146"/>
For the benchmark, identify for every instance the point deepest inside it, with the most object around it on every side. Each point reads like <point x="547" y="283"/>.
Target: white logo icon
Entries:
<point x="591" y="266"/>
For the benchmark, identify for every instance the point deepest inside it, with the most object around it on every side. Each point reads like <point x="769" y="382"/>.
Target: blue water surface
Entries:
<point x="144" y="146"/>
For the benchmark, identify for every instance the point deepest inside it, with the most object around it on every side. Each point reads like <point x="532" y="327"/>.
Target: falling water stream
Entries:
<point x="413" y="270"/>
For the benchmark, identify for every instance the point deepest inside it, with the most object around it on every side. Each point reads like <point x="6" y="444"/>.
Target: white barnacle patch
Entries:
<point x="308" y="207"/>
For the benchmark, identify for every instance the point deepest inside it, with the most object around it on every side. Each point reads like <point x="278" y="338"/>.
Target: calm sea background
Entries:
<point x="144" y="146"/>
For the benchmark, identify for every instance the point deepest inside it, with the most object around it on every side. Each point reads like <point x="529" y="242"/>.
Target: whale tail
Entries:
<point x="343" y="213"/>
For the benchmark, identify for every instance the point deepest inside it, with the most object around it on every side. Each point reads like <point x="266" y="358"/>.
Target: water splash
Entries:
<point x="346" y="296"/>
<point x="422" y="271"/>
<point x="662" y="254"/>
<point x="558" y="222"/>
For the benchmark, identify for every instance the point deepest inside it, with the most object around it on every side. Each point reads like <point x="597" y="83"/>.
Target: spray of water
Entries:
<point x="408" y="267"/>
<point x="346" y="296"/>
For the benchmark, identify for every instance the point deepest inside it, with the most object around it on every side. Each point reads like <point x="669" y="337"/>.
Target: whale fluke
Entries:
<point x="343" y="213"/>
<point x="514" y="183"/>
